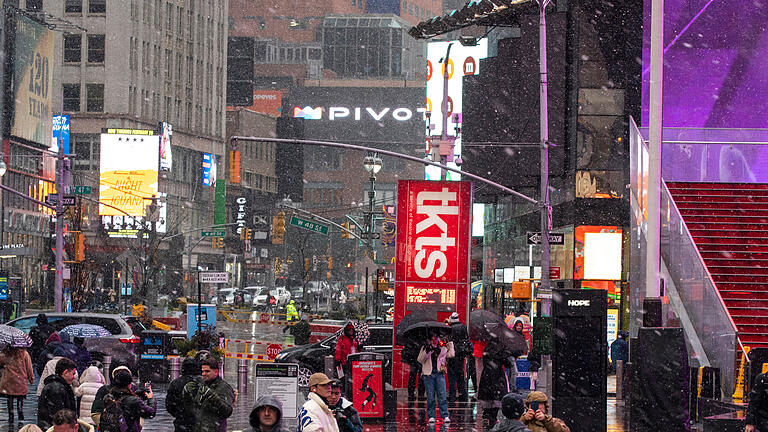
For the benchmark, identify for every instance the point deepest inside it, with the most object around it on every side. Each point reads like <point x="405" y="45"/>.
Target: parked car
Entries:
<point x="311" y="357"/>
<point x="253" y="290"/>
<point x="225" y="297"/>
<point x="121" y="345"/>
<point x="261" y="299"/>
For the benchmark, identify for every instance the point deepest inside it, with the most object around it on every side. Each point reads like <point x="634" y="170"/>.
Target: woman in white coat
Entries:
<point x="91" y="380"/>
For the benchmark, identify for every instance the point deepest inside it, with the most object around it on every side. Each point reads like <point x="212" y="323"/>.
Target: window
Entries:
<point x="72" y="45"/>
<point x="95" y="48"/>
<point x="71" y="94"/>
<point x="97" y="6"/>
<point x="34" y="5"/>
<point x="73" y="6"/>
<point x="95" y="97"/>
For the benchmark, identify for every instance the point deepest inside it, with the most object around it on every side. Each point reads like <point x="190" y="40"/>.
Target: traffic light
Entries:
<point x="246" y="234"/>
<point x="330" y="263"/>
<point x="306" y="264"/>
<point x="79" y="246"/>
<point x="217" y="242"/>
<point x="278" y="228"/>
<point x="345" y="230"/>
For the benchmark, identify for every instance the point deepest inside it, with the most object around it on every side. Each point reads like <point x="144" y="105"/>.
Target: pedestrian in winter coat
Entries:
<point x="66" y="421"/>
<point x="301" y="331"/>
<point x="83" y="359"/>
<point x="517" y="326"/>
<point x="347" y="416"/>
<point x="39" y="334"/>
<point x="46" y="354"/>
<point x="183" y="415"/>
<point x="57" y="393"/>
<point x="98" y="401"/>
<point x="463" y="348"/>
<point x="433" y="356"/>
<point x="17" y="376"/>
<point x="346" y="345"/>
<point x="512" y="407"/>
<point x="493" y="380"/>
<point x="70" y="350"/>
<point x="267" y="415"/>
<point x="410" y="356"/>
<point x="757" y="410"/>
<point x="619" y="349"/>
<point x="210" y="397"/>
<point x="315" y="415"/>
<point x="134" y="408"/>
<point x="537" y="418"/>
<point x="91" y="380"/>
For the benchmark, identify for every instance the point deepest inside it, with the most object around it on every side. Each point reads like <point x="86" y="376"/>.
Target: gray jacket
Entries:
<point x="267" y="400"/>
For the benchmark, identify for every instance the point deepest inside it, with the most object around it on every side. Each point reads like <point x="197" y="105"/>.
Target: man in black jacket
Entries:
<point x="757" y="410"/>
<point x="210" y="397"/>
<point x="462" y="346"/>
<point x="184" y="417"/>
<point x="57" y="393"/>
<point x="347" y="416"/>
<point x="39" y="335"/>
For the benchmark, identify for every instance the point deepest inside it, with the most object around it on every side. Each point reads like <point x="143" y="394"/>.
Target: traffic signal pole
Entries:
<point x="61" y="185"/>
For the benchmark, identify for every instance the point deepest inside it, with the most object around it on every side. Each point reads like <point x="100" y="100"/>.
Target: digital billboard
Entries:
<point x="433" y="244"/>
<point x="209" y="169"/>
<point x="32" y="81"/>
<point x="128" y="171"/>
<point x="269" y="102"/>
<point x="60" y="129"/>
<point x="166" y="153"/>
<point x="467" y="58"/>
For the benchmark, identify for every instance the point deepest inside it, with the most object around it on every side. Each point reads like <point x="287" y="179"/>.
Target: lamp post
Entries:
<point x="372" y="164"/>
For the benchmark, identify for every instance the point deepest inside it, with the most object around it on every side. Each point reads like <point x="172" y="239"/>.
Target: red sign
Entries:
<point x="433" y="244"/>
<point x="264" y="317"/>
<point x="367" y="388"/>
<point x="273" y="350"/>
<point x="267" y="102"/>
<point x="554" y="272"/>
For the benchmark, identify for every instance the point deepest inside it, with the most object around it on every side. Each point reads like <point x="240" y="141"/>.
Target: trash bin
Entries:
<point x="523" y="379"/>
<point x="153" y="349"/>
<point x="367" y="377"/>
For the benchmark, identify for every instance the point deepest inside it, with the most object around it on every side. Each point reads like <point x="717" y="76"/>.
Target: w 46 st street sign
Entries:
<point x="309" y="225"/>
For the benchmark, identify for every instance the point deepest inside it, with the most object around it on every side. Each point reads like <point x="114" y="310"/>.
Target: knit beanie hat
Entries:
<point x="512" y="406"/>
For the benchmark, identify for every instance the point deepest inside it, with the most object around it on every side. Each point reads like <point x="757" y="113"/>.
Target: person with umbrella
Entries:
<point x="40" y="334"/>
<point x="16" y="378"/>
<point x="433" y="358"/>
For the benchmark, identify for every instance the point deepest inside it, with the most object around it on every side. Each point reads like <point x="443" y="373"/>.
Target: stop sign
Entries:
<point x="264" y="317"/>
<point x="273" y="350"/>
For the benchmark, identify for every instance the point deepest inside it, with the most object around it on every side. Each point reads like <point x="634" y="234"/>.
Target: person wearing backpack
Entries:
<point x="463" y="347"/>
<point x="183" y="415"/>
<point x="123" y="409"/>
<point x="57" y="393"/>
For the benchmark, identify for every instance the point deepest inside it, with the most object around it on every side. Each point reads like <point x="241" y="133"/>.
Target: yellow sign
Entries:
<point x="128" y="178"/>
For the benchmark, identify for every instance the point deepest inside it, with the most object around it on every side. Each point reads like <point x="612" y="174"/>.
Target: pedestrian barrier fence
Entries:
<point x="738" y="394"/>
<point x="262" y="318"/>
<point x="246" y="349"/>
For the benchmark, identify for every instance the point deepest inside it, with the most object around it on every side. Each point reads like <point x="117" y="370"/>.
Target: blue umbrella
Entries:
<point x="14" y="337"/>
<point x="85" y="331"/>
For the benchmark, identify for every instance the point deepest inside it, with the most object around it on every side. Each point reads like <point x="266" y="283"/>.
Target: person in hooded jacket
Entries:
<point x="98" y="402"/>
<point x="39" y="335"/>
<point x="46" y="354"/>
<point x="134" y="408"/>
<point x="17" y="376"/>
<point x="462" y="346"/>
<point x="57" y="393"/>
<point x="91" y="380"/>
<point x="183" y="415"/>
<point x="513" y="408"/>
<point x="71" y="351"/>
<point x="346" y="345"/>
<point x="537" y="418"/>
<point x="517" y="326"/>
<point x="267" y="415"/>
<point x="493" y="380"/>
<point x="619" y="349"/>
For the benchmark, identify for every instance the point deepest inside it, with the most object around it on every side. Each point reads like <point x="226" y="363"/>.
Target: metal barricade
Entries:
<point x="242" y="376"/>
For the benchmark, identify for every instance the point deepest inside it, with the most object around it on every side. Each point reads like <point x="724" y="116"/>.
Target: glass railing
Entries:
<point x="711" y="333"/>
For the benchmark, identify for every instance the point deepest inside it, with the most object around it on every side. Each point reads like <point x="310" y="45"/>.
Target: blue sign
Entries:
<point x="207" y="318"/>
<point x="209" y="169"/>
<point x="4" y="286"/>
<point x="152" y="357"/>
<point x="126" y="290"/>
<point x="61" y="131"/>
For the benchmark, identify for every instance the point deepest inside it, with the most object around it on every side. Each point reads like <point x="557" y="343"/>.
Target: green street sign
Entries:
<point x="213" y="233"/>
<point x="80" y="190"/>
<point x="309" y="225"/>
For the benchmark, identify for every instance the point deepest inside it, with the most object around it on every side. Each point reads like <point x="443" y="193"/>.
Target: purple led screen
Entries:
<point x="715" y="76"/>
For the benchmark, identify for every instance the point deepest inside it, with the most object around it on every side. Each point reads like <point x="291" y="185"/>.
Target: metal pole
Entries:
<point x="446" y="77"/>
<point x="544" y="135"/>
<point x="654" y="150"/>
<point x="60" y="185"/>
<point x="175" y="366"/>
<point x="199" y="303"/>
<point x="242" y="376"/>
<point x="366" y="291"/>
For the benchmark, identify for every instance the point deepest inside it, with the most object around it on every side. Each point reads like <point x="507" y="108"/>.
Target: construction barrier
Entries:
<point x="271" y="349"/>
<point x="263" y="318"/>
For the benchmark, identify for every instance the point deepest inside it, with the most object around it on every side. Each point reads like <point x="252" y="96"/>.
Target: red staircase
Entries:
<point x="729" y="224"/>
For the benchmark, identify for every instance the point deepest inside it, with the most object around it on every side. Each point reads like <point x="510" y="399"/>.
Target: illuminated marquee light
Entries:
<point x="427" y="295"/>
<point x="401" y="114"/>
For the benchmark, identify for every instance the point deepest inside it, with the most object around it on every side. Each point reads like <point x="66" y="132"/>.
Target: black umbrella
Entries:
<point x="420" y="332"/>
<point x="412" y="318"/>
<point x="482" y="323"/>
<point x="506" y="341"/>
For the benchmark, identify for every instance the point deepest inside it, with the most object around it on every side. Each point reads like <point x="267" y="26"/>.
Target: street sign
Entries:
<point x="273" y="350"/>
<point x="213" y="233"/>
<point x="534" y="238"/>
<point x="218" y="277"/>
<point x="373" y="235"/>
<point x="309" y="225"/>
<point x="554" y="272"/>
<point x="80" y="190"/>
<point x="52" y="199"/>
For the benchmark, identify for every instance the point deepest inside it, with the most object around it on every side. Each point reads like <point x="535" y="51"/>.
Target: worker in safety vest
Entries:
<point x="291" y="312"/>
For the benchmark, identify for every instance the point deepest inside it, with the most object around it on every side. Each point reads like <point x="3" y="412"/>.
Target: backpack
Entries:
<point x="113" y="417"/>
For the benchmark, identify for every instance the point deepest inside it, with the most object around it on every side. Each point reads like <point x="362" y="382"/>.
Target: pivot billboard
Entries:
<point x="433" y="246"/>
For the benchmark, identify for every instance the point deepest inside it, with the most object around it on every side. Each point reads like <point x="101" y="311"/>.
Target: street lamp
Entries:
<point x="372" y="164"/>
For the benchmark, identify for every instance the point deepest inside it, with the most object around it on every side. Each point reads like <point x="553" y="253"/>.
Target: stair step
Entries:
<point x="745" y="303"/>
<point x="730" y="199"/>
<point x="754" y="312"/>
<point x="727" y="256"/>
<point x="720" y="211"/>
<point x="729" y="233"/>
<point x="692" y="217"/>
<point x="719" y="205"/>
<point x="717" y="186"/>
<point x="717" y="225"/>
<point x="734" y="248"/>
<point x="749" y="320"/>
<point x="722" y="240"/>
<point x="730" y="294"/>
<point x="716" y="268"/>
<point x="753" y="329"/>
<point x="726" y="287"/>
<point x="717" y="193"/>
<point x="756" y="279"/>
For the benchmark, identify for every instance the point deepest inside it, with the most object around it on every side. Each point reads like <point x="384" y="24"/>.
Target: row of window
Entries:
<point x="73" y="48"/>
<point x="94" y="97"/>
<point x="415" y="10"/>
<point x="76" y="6"/>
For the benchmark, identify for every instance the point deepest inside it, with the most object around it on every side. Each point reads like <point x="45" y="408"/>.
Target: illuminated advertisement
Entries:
<point x="60" y="130"/>
<point x="267" y="102"/>
<point x="209" y="169"/>
<point x="597" y="252"/>
<point x="128" y="171"/>
<point x="433" y="244"/>
<point x="368" y="388"/>
<point x="32" y="81"/>
<point x="166" y="155"/>
<point x="122" y="226"/>
<point x="468" y="59"/>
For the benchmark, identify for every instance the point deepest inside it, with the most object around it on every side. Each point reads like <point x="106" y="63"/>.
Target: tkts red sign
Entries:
<point x="433" y="241"/>
<point x="433" y="231"/>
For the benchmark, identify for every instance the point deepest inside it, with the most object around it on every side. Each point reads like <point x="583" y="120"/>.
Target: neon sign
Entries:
<point x="430" y="295"/>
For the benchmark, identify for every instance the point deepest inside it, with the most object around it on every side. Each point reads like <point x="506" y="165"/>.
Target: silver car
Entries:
<point x="120" y="345"/>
